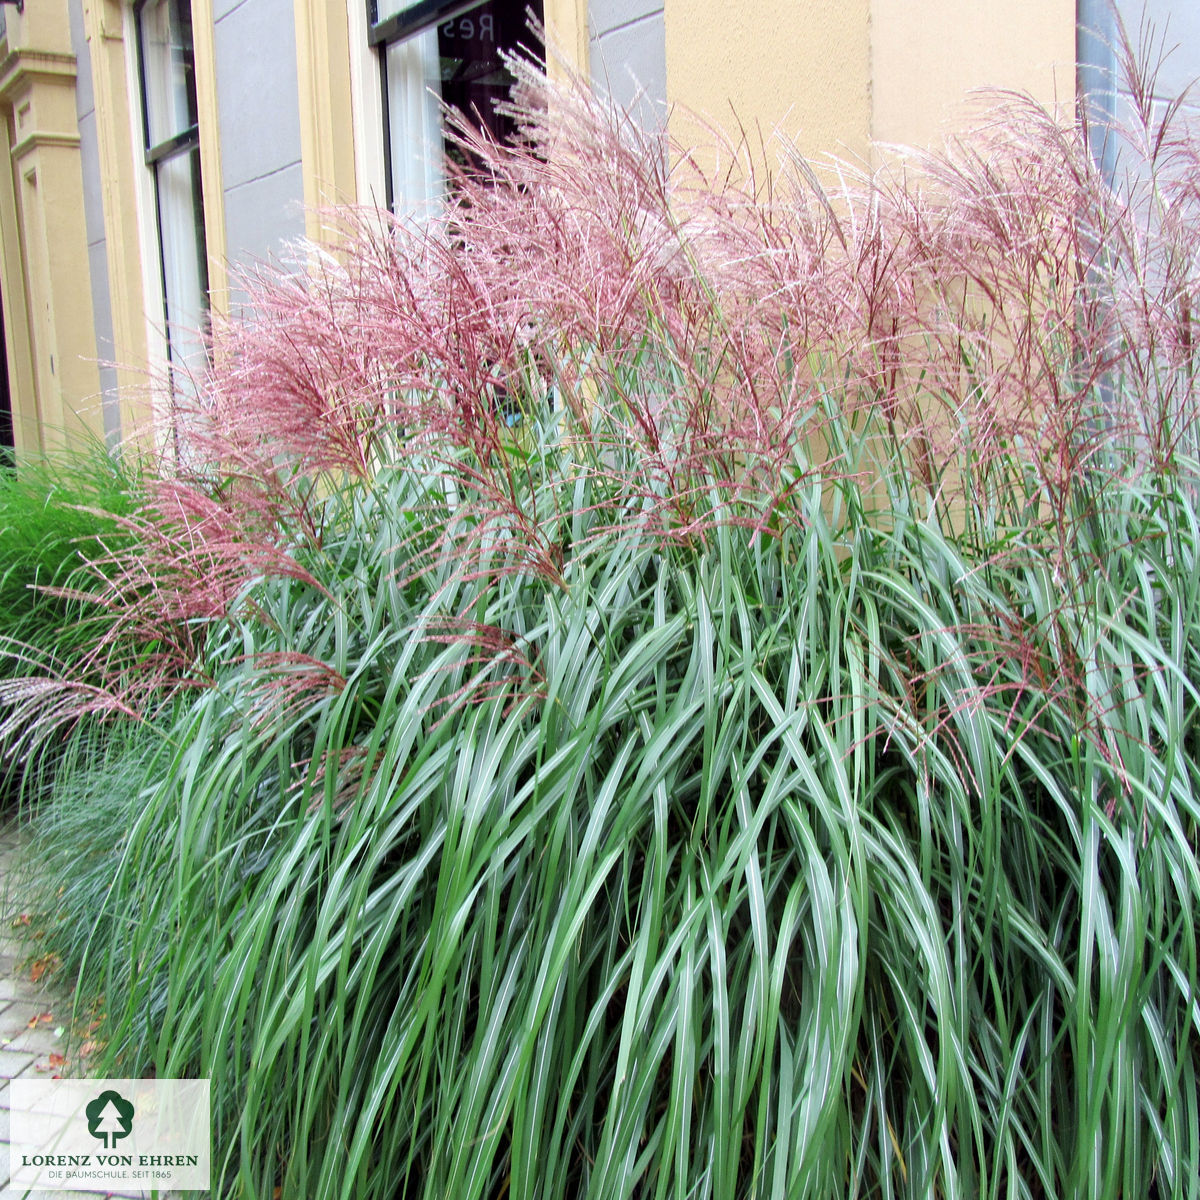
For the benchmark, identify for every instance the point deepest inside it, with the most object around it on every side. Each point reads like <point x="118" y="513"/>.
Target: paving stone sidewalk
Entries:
<point x="27" y="1037"/>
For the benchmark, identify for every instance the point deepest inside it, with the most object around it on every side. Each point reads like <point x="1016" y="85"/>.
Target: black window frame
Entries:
<point x="412" y="19"/>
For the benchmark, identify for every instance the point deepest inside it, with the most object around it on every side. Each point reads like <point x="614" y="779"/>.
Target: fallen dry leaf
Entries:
<point x="21" y="920"/>
<point x="43" y="966"/>
<point x="41" y="1019"/>
<point x="53" y="1063"/>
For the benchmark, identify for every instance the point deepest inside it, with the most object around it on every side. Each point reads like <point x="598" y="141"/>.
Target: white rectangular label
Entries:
<point x="109" y="1134"/>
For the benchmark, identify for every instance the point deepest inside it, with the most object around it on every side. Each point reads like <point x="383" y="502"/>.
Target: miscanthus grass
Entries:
<point x="667" y="686"/>
<point x="58" y="515"/>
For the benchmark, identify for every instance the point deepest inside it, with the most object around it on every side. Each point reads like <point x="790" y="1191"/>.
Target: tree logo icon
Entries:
<point x="109" y="1117"/>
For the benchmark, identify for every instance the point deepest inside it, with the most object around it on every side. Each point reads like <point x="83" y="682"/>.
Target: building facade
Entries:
<point x="152" y="148"/>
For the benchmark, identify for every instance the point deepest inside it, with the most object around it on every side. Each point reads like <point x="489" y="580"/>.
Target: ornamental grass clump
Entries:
<point x="58" y="515"/>
<point x="666" y="684"/>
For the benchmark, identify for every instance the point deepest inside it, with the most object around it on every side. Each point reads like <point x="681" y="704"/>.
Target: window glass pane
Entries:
<point x="471" y="46"/>
<point x="165" y="30"/>
<point x="459" y="62"/>
<point x="185" y="271"/>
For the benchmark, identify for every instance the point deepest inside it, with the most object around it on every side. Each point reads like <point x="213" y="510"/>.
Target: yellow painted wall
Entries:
<point x="838" y="75"/>
<point x="566" y="37"/>
<point x="802" y="69"/>
<point x="927" y="56"/>
<point x="326" y="109"/>
<point x="53" y="376"/>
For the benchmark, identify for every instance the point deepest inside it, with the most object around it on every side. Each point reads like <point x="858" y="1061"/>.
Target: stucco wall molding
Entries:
<point x="21" y="68"/>
<point x="38" y="139"/>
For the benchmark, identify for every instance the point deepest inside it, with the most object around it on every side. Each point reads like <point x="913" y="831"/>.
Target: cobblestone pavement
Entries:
<point x="31" y="1015"/>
